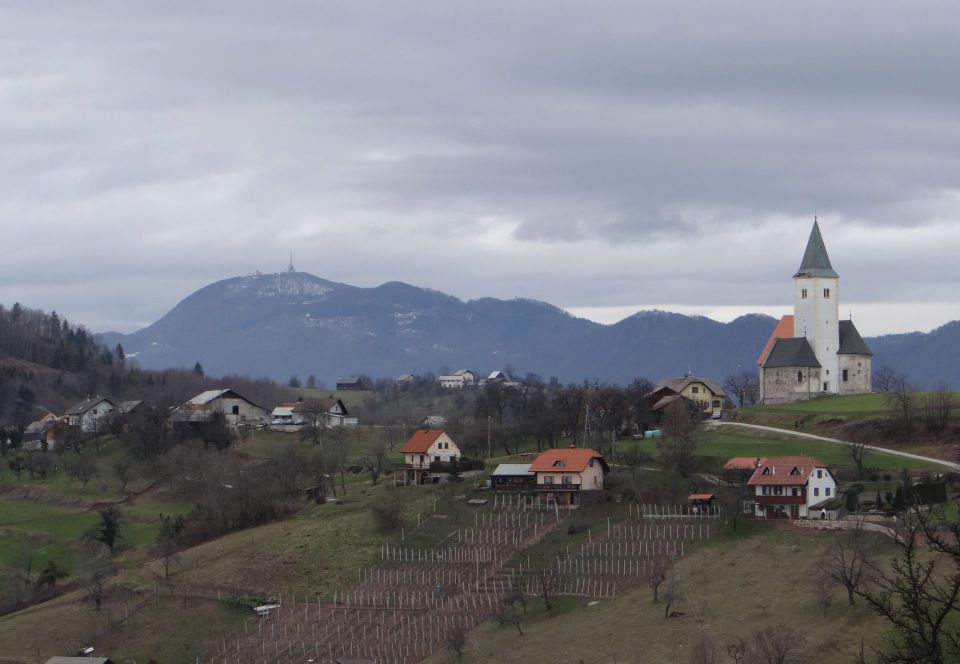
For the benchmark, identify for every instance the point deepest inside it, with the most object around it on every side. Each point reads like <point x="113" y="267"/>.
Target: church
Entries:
<point x="813" y="352"/>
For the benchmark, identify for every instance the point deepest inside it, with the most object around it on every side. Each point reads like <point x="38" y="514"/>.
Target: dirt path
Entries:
<point x="837" y="441"/>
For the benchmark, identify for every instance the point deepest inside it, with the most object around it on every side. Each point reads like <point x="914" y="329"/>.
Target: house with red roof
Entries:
<point x="565" y="475"/>
<point x="790" y="487"/>
<point x="426" y="447"/>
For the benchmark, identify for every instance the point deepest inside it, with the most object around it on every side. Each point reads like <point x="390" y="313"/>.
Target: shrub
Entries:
<point x="388" y="515"/>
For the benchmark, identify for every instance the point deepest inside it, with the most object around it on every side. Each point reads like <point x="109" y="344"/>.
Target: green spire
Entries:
<point x="815" y="262"/>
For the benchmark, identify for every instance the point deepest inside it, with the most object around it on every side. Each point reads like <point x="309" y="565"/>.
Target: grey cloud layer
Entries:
<point x="602" y="153"/>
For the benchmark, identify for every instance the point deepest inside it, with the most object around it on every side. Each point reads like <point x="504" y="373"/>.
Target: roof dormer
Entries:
<point x="796" y="471"/>
<point x="768" y="470"/>
<point x="558" y="463"/>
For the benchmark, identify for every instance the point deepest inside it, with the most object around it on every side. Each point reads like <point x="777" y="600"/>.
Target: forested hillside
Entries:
<point x="47" y="362"/>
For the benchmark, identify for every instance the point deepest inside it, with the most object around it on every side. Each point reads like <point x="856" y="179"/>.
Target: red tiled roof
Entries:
<point x="783" y="330"/>
<point x="743" y="463"/>
<point x="780" y="469"/>
<point x="700" y="496"/>
<point x="573" y="459"/>
<point x="421" y="441"/>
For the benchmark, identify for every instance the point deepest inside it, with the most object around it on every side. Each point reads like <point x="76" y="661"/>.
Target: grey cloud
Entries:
<point x="176" y="143"/>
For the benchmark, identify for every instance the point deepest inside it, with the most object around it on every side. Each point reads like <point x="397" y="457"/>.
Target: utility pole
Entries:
<point x="489" y="449"/>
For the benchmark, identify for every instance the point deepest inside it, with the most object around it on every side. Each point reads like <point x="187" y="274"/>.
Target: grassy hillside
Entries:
<point x="727" y="590"/>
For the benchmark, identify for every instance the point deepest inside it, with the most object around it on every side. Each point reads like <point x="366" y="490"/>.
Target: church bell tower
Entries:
<point x="816" y="308"/>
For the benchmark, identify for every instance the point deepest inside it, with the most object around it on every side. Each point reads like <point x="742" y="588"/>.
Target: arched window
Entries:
<point x="799" y="376"/>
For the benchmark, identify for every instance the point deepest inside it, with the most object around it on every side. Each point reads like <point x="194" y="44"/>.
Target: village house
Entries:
<point x="458" y="379"/>
<point x="813" y="352"/>
<point x="90" y="414"/>
<point x="44" y="433"/>
<point x="565" y="476"/>
<point x="425" y="447"/>
<point x="350" y="383"/>
<point x="330" y="412"/>
<point x="788" y="487"/>
<point x="705" y="393"/>
<point x="236" y="408"/>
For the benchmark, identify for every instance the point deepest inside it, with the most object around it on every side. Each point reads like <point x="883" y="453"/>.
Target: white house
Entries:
<point x="235" y="407"/>
<point x="89" y="414"/>
<point x="788" y="487"/>
<point x="426" y="446"/>
<point x="458" y="379"/>
<point x="565" y="474"/>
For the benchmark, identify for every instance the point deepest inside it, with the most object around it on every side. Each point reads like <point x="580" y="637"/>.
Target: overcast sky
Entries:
<point x="606" y="157"/>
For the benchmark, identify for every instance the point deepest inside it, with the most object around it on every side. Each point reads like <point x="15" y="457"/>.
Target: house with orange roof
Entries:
<point x="789" y="487"/>
<point x="425" y="448"/>
<point x="565" y="475"/>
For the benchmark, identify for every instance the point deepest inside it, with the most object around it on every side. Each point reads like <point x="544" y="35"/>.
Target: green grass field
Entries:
<point x="727" y="442"/>
<point x="850" y="408"/>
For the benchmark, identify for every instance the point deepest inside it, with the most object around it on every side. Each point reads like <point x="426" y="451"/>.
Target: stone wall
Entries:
<point x="858" y="368"/>
<point x="781" y="384"/>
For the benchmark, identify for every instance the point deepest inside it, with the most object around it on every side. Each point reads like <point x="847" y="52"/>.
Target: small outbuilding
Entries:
<point x="513" y="477"/>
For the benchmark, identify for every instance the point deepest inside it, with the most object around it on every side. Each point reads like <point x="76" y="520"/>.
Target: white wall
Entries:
<point x="817" y="318"/>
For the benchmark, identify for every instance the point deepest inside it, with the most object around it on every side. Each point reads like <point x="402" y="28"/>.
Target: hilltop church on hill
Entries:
<point x="813" y="352"/>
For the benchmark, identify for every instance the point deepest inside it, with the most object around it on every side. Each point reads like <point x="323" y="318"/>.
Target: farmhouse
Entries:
<point x="331" y="412"/>
<point x="565" y="475"/>
<point x="89" y="414"/>
<point x="705" y="393"/>
<point x="350" y="383"/>
<point x="235" y="407"/>
<point x="426" y="447"/>
<point x="787" y="487"/>
<point x="458" y="379"/>
<point x="813" y="352"/>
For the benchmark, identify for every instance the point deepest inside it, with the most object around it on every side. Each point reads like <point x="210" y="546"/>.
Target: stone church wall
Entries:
<point x="859" y="378"/>
<point x="781" y="384"/>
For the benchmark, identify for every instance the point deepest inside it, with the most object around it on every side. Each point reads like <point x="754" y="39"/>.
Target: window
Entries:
<point x="566" y="479"/>
<point x="548" y="479"/>
<point x="826" y="293"/>
<point x="819" y="473"/>
<point x="591" y="463"/>
<point x="236" y="410"/>
<point x="828" y="371"/>
<point x="826" y="386"/>
<point x="716" y="403"/>
<point x="844" y="375"/>
<point x="421" y="458"/>
<point x="766" y="491"/>
<point x="803" y="294"/>
<point x="795" y="471"/>
<point x="437" y="458"/>
<point x="816" y="491"/>
<point x="826" y="491"/>
<point x="799" y="376"/>
<point x="695" y="389"/>
<point x="794" y="491"/>
<point x="558" y="463"/>
<point x="778" y="490"/>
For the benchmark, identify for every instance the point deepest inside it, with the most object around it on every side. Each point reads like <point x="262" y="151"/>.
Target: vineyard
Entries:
<point x="414" y="600"/>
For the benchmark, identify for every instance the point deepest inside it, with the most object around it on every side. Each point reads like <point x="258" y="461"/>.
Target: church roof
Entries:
<point x="783" y="330"/>
<point x="851" y="343"/>
<point x="795" y="352"/>
<point x="816" y="262"/>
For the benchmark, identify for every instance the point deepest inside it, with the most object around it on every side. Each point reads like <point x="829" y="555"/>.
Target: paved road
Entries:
<point x="837" y="441"/>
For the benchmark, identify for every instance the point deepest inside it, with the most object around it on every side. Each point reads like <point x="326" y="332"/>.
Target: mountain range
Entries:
<point x="294" y="323"/>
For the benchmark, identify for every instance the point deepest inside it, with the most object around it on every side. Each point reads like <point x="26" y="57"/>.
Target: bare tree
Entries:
<point x="659" y="569"/>
<point x="677" y="447"/>
<point x="915" y="594"/>
<point x="705" y="650"/>
<point x="82" y="468"/>
<point x="388" y="513"/>
<point x="168" y="541"/>
<point x="737" y="651"/>
<point x="456" y="640"/>
<point x="778" y="644"/>
<point x="546" y="581"/>
<point x="123" y="471"/>
<point x="856" y="448"/>
<point x="97" y="588"/>
<point x="845" y="560"/>
<point x="744" y="385"/>
<point x="884" y="379"/>
<point x="938" y="408"/>
<point x="902" y="402"/>
<point x="377" y="460"/>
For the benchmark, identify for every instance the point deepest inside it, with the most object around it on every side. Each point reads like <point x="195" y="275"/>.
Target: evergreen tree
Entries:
<point x="198" y="368"/>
